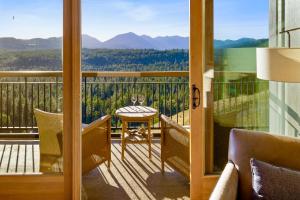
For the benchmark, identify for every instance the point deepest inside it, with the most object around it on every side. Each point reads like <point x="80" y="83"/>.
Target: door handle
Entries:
<point x="195" y="96"/>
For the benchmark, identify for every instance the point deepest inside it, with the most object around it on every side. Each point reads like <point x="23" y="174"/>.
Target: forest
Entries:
<point x="100" y="96"/>
<point x="98" y="60"/>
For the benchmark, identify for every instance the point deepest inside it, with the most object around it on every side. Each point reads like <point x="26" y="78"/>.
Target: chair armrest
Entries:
<point x="96" y="123"/>
<point x="167" y="122"/>
<point x="226" y="188"/>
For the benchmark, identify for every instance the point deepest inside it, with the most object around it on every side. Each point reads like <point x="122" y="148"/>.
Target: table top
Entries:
<point x="142" y="112"/>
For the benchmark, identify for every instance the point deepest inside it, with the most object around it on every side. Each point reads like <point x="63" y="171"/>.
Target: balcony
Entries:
<point x="235" y="101"/>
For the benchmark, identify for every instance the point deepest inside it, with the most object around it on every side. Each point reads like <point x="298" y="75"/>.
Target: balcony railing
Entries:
<point x="102" y="93"/>
<point x="246" y="101"/>
<point x="242" y="102"/>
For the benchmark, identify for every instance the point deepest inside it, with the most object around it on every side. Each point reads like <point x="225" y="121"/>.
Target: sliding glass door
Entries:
<point x="233" y="96"/>
<point x="37" y="81"/>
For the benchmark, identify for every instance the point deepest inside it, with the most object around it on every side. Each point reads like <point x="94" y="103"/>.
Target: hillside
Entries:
<point x="243" y="42"/>
<point x="124" y="41"/>
<point x="98" y="59"/>
<point x="121" y="41"/>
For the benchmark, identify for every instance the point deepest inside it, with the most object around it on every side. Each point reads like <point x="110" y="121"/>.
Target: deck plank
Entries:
<point x="13" y="159"/>
<point x="19" y="156"/>
<point x="2" y="148"/>
<point x="21" y="160"/>
<point x="29" y="159"/>
<point x="5" y="158"/>
<point x="36" y="157"/>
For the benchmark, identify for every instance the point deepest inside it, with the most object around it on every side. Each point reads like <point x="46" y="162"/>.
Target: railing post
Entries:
<point x="1" y="102"/>
<point x="56" y="93"/>
<point x="20" y="105"/>
<point x="92" y="97"/>
<point x="32" y="102"/>
<point x="159" y="107"/>
<point x="7" y="106"/>
<point x="26" y="106"/>
<point x="13" y="107"/>
<point x="85" y="100"/>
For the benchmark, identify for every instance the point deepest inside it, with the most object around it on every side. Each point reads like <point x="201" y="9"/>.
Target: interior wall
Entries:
<point x="284" y="97"/>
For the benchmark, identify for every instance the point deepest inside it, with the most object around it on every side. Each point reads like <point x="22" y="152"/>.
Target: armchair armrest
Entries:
<point x="226" y="188"/>
<point x="96" y="143"/>
<point x="97" y="123"/>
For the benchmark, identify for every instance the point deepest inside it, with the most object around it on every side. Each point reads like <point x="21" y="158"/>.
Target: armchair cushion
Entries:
<point x="226" y="188"/>
<point x="278" y="150"/>
<point x="272" y="182"/>
<point x="50" y="127"/>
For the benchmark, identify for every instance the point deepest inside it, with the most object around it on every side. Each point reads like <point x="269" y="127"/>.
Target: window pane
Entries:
<point x="31" y="41"/>
<point x="240" y="100"/>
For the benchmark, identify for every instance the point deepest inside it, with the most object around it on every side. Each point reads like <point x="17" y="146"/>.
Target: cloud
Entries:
<point x="135" y="11"/>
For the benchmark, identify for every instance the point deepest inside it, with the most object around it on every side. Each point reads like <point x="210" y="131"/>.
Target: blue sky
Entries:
<point x="241" y="18"/>
<point x="104" y="19"/>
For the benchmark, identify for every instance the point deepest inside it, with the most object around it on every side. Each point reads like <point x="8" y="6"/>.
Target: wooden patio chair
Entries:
<point x="96" y="142"/>
<point x="175" y="145"/>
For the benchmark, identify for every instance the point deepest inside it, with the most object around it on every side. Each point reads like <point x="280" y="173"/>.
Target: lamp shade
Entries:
<point x="278" y="64"/>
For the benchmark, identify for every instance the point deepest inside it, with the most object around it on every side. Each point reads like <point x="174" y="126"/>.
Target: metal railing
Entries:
<point x="242" y="104"/>
<point x="102" y="93"/>
<point x="105" y="92"/>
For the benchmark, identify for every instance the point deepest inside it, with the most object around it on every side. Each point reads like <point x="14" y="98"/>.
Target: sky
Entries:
<point x="236" y="19"/>
<point x="104" y="19"/>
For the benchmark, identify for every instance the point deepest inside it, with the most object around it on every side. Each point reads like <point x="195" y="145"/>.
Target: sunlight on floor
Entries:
<point x="136" y="177"/>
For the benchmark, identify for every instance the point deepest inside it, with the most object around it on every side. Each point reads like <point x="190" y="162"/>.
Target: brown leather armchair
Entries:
<point x="235" y="181"/>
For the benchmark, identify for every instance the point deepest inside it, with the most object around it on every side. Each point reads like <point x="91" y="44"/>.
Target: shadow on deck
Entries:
<point x="136" y="177"/>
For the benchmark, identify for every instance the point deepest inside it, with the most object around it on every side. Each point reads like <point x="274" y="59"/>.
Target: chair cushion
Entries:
<point x="226" y="188"/>
<point x="272" y="182"/>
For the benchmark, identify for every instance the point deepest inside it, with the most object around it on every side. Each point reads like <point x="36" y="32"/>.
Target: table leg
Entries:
<point x="124" y="127"/>
<point x="149" y="138"/>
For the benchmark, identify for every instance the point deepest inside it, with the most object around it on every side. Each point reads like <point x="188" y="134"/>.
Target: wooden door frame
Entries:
<point x="72" y="99"/>
<point x="66" y="185"/>
<point x="201" y="18"/>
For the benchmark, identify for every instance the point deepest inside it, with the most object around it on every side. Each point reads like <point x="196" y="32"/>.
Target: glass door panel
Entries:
<point x="235" y="97"/>
<point x="30" y="99"/>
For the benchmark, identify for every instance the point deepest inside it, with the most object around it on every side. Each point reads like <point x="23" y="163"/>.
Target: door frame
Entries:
<point x="201" y="55"/>
<point x="72" y="99"/>
<point x="61" y="185"/>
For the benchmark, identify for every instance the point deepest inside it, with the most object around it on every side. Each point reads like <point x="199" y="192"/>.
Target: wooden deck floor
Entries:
<point x="19" y="156"/>
<point x="136" y="177"/>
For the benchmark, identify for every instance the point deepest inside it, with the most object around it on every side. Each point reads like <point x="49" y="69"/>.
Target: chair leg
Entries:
<point x="124" y="127"/>
<point x="108" y="164"/>
<point x="162" y="167"/>
<point x="123" y="149"/>
<point x="149" y="138"/>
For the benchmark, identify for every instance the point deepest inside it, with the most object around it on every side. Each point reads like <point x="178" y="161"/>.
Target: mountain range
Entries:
<point x="122" y="41"/>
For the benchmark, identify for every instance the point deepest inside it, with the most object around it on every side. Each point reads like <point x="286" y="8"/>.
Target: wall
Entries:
<point x="284" y="97"/>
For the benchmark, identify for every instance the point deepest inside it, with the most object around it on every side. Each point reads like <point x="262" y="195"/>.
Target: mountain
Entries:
<point x="243" y="42"/>
<point x="133" y="41"/>
<point x="121" y="41"/>
<point x="124" y="41"/>
<point x="90" y="42"/>
<point x="128" y="41"/>
<point x="10" y="43"/>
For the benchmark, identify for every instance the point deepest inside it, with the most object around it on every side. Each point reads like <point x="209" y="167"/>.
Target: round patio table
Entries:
<point x="141" y="114"/>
